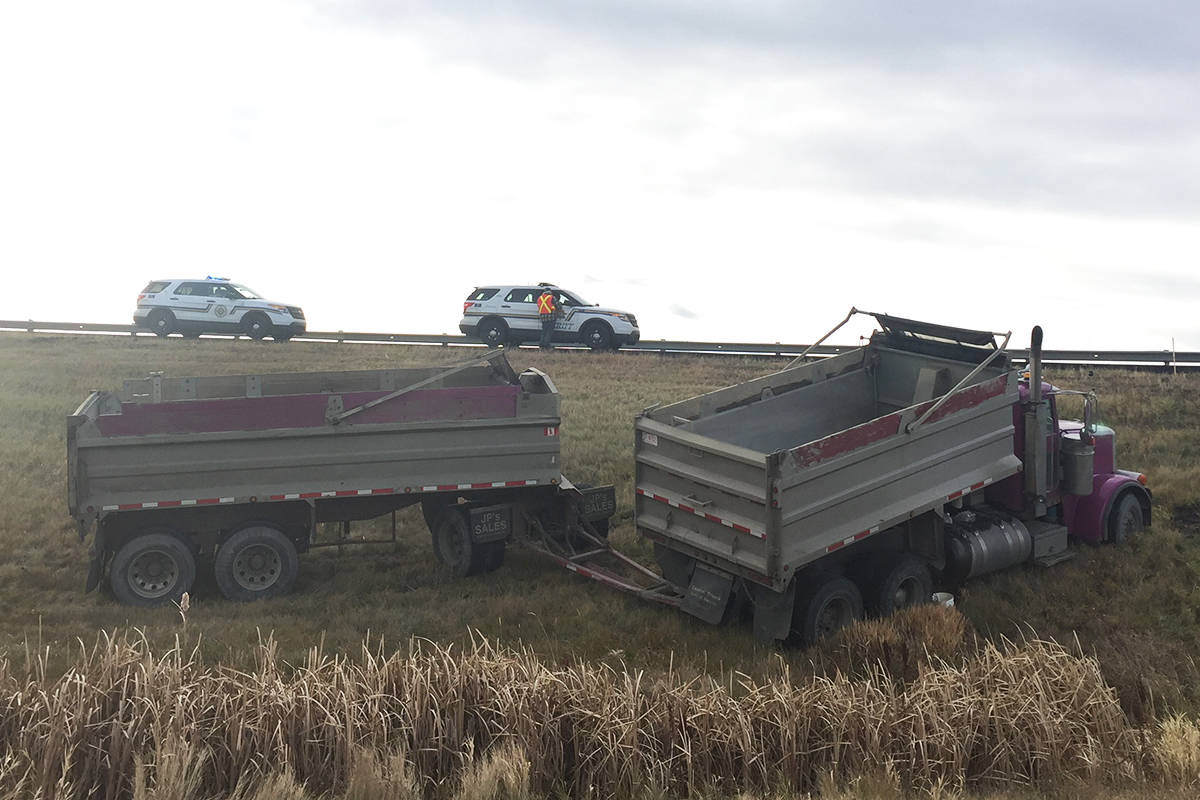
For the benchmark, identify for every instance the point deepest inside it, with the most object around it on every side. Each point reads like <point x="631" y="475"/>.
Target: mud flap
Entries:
<point x="708" y="594"/>
<point x="772" y="611"/>
<point x="95" y="572"/>
<point x="96" y="565"/>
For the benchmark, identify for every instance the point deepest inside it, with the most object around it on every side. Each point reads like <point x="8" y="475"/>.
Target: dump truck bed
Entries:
<point x="763" y="478"/>
<point x="165" y="442"/>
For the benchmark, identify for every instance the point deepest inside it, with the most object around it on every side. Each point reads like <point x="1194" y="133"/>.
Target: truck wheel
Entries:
<point x="453" y="546"/>
<point x="255" y="562"/>
<point x="161" y="322"/>
<point x="493" y="333"/>
<point x="597" y="335"/>
<point x="1125" y="519"/>
<point x="905" y="583"/>
<point x="256" y="325"/>
<point x="152" y="570"/>
<point x="829" y="604"/>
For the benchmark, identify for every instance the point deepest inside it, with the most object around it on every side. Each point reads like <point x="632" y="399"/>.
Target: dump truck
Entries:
<point x="810" y="496"/>
<point x="856" y="483"/>
<point x="237" y="472"/>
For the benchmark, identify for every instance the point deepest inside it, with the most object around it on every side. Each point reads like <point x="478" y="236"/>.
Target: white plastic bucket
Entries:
<point x="944" y="599"/>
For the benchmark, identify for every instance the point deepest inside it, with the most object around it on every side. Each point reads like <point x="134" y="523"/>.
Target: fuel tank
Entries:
<point x="979" y="542"/>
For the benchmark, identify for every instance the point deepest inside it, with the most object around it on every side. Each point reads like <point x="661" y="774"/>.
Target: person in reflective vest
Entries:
<point x="547" y="309"/>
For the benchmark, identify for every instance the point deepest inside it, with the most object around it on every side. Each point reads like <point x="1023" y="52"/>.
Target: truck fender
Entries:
<point x="1087" y="517"/>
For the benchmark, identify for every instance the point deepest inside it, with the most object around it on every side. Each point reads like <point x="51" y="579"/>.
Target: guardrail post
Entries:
<point x="340" y="338"/>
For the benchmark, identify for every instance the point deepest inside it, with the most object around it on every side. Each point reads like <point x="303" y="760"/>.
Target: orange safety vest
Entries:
<point x="545" y="303"/>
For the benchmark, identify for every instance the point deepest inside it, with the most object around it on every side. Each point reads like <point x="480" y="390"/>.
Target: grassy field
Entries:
<point x="1135" y="608"/>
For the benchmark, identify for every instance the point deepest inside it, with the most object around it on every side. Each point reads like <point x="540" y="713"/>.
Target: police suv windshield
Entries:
<point x="568" y="299"/>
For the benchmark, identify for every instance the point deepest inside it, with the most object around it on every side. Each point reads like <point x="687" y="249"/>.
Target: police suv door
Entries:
<point x="520" y="312"/>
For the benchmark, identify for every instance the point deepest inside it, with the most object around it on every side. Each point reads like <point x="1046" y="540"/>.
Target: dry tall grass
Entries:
<point x="490" y="722"/>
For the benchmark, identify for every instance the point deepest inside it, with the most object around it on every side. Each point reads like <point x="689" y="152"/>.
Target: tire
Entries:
<point x="493" y="332"/>
<point x="1125" y="519"/>
<point x="829" y="604"/>
<point x="453" y="546"/>
<point x="898" y="585"/>
<point x="256" y="326"/>
<point x="161" y="322"/>
<point x="255" y="562"/>
<point x="597" y="335"/>
<point x="152" y="570"/>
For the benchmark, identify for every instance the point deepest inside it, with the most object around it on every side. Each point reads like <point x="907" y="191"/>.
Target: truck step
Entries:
<point x="1049" y="543"/>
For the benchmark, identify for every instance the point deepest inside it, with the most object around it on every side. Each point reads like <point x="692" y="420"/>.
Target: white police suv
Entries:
<point x="214" y="305"/>
<point x="500" y="315"/>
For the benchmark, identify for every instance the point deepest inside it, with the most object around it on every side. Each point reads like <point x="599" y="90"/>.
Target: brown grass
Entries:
<point x="1135" y="609"/>
<point x="490" y="722"/>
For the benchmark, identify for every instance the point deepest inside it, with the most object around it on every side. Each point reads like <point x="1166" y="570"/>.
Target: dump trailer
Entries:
<point x="862" y="481"/>
<point x="238" y="471"/>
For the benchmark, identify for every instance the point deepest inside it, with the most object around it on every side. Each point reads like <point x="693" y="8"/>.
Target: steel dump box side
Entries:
<point x="182" y="442"/>
<point x="763" y="478"/>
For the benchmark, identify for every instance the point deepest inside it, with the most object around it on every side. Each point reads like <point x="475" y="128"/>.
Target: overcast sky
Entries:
<point x="725" y="170"/>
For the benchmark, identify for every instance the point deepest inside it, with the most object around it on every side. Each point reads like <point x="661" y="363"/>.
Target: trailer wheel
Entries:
<point x="255" y="562"/>
<point x="905" y="583"/>
<point x="828" y="604"/>
<point x="453" y="546"/>
<point x="1125" y="520"/>
<point x="152" y="569"/>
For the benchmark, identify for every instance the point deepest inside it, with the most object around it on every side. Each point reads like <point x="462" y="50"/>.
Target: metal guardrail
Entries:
<point x="1153" y="358"/>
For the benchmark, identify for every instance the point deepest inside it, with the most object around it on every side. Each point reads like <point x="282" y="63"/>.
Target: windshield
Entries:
<point x="247" y="293"/>
<point x="569" y="299"/>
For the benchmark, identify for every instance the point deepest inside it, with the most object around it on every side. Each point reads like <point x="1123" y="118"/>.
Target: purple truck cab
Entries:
<point x="1102" y="513"/>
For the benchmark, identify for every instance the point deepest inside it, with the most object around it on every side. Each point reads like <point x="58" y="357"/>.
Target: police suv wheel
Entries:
<point x="598" y="336"/>
<point x="257" y="326"/>
<point x="162" y="322"/>
<point x="493" y="333"/>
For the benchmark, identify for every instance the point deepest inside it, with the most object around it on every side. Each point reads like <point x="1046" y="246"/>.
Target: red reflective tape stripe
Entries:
<point x="169" y="503"/>
<point x="307" y="495"/>
<point x="276" y="497"/>
<point x="741" y="528"/>
<point x="447" y="487"/>
<point x="382" y="491"/>
<point x="979" y="485"/>
<point x="688" y="509"/>
<point x="858" y="536"/>
<point x="481" y="485"/>
<point x="955" y="495"/>
<point x="208" y="501"/>
<point x="514" y="483"/>
<point x="662" y="499"/>
<point x="833" y="547"/>
<point x="128" y="506"/>
<point x="345" y="493"/>
<point x="640" y="490"/>
<point x="712" y="518"/>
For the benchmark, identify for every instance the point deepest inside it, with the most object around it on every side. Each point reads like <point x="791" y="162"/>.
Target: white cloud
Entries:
<point x="373" y="165"/>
